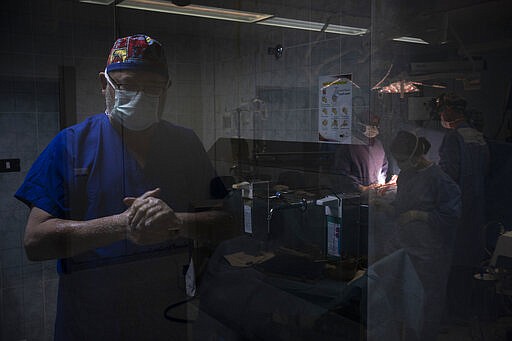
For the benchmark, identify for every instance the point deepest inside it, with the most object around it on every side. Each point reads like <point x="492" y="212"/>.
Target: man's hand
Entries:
<point x="151" y="220"/>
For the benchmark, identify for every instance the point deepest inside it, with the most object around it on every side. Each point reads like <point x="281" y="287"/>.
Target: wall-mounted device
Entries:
<point x="9" y="165"/>
<point x="276" y="51"/>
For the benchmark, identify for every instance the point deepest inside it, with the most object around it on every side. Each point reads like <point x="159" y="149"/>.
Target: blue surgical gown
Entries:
<point x="432" y="191"/>
<point x="429" y="243"/>
<point x="464" y="155"/>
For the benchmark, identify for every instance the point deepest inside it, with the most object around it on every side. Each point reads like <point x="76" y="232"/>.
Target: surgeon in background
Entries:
<point x="360" y="167"/>
<point x="427" y="209"/>
<point x="464" y="156"/>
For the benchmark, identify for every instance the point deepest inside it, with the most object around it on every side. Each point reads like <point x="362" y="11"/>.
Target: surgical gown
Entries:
<point x="429" y="243"/>
<point x="464" y="155"/>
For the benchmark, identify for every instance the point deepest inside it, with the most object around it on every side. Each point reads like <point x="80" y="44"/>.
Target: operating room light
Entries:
<point x="194" y="10"/>
<point x="399" y="87"/>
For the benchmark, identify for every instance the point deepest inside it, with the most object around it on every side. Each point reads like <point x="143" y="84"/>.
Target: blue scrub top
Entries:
<point x="86" y="171"/>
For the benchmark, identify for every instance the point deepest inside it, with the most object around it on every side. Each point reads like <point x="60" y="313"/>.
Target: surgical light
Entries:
<point x="400" y="87"/>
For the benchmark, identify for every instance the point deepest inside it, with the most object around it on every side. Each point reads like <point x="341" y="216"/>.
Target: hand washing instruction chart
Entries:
<point x="335" y="109"/>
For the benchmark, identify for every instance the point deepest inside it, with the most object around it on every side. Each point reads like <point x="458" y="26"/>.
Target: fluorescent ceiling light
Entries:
<point x="411" y="40"/>
<point x="194" y="10"/>
<point x="232" y="15"/>
<point x="98" y="2"/>
<point x="351" y="31"/>
<point x="313" y="26"/>
<point x="292" y="23"/>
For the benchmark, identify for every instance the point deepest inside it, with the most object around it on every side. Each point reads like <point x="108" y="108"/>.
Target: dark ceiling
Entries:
<point x="472" y="26"/>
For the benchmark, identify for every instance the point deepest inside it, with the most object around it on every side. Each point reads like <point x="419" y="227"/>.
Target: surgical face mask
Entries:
<point x="136" y="110"/>
<point x="371" y="131"/>
<point x="449" y="124"/>
<point x="445" y="124"/>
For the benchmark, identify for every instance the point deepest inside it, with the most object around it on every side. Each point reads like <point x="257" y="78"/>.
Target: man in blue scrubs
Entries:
<point x="109" y="195"/>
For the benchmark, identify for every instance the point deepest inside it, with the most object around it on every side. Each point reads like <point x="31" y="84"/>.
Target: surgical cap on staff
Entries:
<point x="137" y="52"/>
<point x="456" y="103"/>
<point x="406" y="145"/>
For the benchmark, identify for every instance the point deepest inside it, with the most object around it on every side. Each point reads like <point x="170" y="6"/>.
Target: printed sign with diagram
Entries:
<point x="335" y="109"/>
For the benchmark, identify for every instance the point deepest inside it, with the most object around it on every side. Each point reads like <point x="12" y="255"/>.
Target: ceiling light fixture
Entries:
<point x="348" y="30"/>
<point x="293" y="23"/>
<point x="313" y="26"/>
<point x="411" y="40"/>
<point x="194" y="10"/>
<point x="98" y="2"/>
<point x="232" y="15"/>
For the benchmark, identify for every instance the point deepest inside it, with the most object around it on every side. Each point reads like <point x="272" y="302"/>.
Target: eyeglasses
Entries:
<point x="152" y="89"/>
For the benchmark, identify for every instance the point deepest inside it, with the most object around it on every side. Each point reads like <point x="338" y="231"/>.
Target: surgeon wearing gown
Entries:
<point x="464" y="155"/>
<point x="427" y="208"/>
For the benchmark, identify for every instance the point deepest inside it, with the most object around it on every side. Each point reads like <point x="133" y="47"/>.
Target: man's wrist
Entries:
<point x="121" y="225"/>
<point x="178" y="224"/>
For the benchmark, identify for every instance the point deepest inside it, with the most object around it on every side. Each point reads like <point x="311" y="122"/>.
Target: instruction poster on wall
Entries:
<point x="335" y="109"/>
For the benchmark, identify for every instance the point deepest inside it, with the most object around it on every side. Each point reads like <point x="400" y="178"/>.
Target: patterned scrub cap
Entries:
<point x="137" y="52"/>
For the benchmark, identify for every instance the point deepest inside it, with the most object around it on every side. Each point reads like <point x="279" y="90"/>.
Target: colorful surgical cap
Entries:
<point x="137" y="52"/>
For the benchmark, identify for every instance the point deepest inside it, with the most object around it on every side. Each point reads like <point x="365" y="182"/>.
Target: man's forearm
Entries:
<point x="47" y="237"/>
<point x="211" y="225"/>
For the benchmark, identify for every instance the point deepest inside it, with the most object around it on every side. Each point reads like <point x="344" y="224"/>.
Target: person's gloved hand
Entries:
<point x="412" y="215"/>
<point x="151" y="220"/>
<point x="393" y="180"/>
